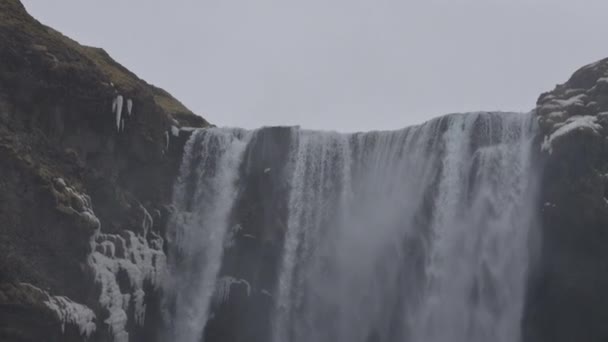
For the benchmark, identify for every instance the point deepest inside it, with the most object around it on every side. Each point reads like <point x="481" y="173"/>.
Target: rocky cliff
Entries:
<point x="567" y="298"/>
<point x="88" y="153"/>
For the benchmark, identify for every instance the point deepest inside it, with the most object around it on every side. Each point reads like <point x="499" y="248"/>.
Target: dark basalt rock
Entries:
<point x="58" y="143"/>
<point x="567" y="300"/>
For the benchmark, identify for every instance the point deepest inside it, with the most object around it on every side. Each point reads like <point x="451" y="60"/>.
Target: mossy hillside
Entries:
<point x="49" y="53"/>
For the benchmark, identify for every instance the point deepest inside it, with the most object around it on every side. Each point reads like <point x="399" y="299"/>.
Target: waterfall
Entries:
<point x="417" y="235"/>
<point x="202" y="200"/>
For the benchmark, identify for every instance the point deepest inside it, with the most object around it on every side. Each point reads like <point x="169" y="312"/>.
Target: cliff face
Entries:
<point x="567" y="298"/>
<point x="88" y="154"/>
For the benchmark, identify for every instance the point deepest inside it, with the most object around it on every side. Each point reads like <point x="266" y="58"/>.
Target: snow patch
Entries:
<point x="556" y="115"/>
<point x="78" y="204"/>
<point x="175" y="131"/>
<point x="564" y="103"/>
<point x="575" y="123"/>
<point x="570" y="92"/>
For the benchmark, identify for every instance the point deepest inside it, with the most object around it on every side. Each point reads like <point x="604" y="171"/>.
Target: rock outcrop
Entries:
<point x="567" y="297"/>
<point x="88" y="153"/>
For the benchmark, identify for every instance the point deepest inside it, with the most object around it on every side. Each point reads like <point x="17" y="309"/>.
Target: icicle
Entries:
<point x="117" y="108"/>
<point x="166" y="140"/>
<point x="147" y="221"/>
<point x="122" y="124"/>
<point x="129" y="106"/>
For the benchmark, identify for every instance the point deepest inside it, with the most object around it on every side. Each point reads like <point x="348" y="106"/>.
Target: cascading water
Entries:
<point x="417" y="235"/>
<point x="203" y="197"/>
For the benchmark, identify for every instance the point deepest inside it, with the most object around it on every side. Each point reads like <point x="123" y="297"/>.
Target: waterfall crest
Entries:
<point x="419" y="234"/>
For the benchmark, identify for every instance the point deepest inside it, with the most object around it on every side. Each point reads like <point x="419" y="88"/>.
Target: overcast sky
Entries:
<point x="341" y="64"/>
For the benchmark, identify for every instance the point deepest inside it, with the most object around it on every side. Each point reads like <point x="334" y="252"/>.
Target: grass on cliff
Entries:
<point x="19" y="26"/>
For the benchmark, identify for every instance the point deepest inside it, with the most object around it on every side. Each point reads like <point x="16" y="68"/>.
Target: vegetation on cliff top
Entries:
<point x="22" y="35"/>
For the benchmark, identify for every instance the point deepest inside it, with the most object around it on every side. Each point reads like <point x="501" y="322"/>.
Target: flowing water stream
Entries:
<point x="415" y="235"/>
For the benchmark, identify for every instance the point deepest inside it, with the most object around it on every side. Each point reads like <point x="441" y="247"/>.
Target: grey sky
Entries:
<point x="341" y="64"/>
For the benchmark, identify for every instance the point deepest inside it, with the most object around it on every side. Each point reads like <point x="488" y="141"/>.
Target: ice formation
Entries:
<point x="117" y="109"/>
<point x="147" y="221"/>
<point x="142" y="266"/>
<point x="175" y="131"/>
<point x="129" y="106"/>
<point x="78" y="204"/>
<point x="68" y="312"/>
<point x="115" y="257"/>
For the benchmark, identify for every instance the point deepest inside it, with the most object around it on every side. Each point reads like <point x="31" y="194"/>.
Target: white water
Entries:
<point x="417" y="235"/>
<point x="203" y="197"/>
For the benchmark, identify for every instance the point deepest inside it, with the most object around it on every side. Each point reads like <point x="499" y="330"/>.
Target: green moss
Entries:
<point x="170" y="105"/>
<point x="122" y="78"/>
<point x="68" y="57"/>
